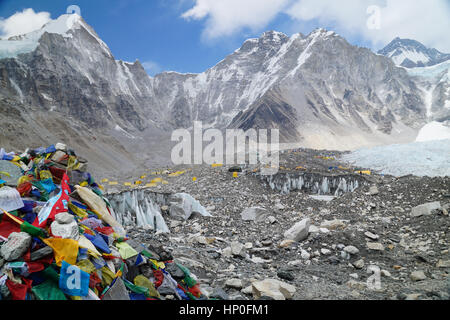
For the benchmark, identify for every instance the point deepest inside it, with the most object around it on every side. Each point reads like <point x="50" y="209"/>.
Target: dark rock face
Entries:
<point x="269" y="113"/>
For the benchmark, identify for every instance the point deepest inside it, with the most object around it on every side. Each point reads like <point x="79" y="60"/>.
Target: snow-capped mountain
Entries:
<point x="434" y="82"/>
<point x="411" y="53"/>
<point x="62" y="82"/>
<point x="430" y="69"/>
<point x="317" y="88"/>
<point x="335" y="94"/>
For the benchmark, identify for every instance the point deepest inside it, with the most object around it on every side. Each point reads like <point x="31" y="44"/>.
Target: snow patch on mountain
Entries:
<point x="16" y="87"/>
<point x="120" y="129"/>
<point x="412" y="55"/>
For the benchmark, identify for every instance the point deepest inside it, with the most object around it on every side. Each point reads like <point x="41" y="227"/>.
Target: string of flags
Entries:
<point x="59" y="239"/>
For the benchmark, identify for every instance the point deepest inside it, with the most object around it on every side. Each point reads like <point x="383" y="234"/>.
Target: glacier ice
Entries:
<point x="139" y="208"/>
<point x="433" y="131"/>
<point x="184" y="205"/>
<point x="430" y="158"/>
<point x="314" y="183"/>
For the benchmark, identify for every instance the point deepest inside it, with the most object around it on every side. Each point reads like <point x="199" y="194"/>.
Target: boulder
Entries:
<point x="64" y="218"/>
<point x="58" y="156"/>
<point x="273" y="288"/>
<point x="41" y="253"/>
<point x="227" y="252"/>
<point x="299" y="231"/>
<point x="286" y="275"/>
<point x="183" y="206"/>
<point x="17" y="245"/>
<point x="219" y="294"/>
<point x="443" y="264"/>
<point x="375" y="246"/>
<point x="333" y="224"/>
<point x="359" y="264"/>
<point x="305" y="255"/>
<point x="259" y="260"/>
<point x="255" y="214"/>
<point x="117" y="292"/>
<point x="373" y="191"/>
<point x="272" y="219"/>
<point x="61" y="147"/>
<point x="371" y="236"/>
<point x="234" y="283"/>
<point x="286" y="243"/>
<point x="425" y="209"/>
<point x="418" y="276"/>
<point x="237" y="249"/>
<point x="65" y="227"/>
<point x="351" y="250"/>
<point x="247" y="290"/>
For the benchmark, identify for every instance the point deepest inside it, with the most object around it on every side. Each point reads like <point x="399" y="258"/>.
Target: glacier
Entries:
<point x="139" y="208"/>
<point x="315" y="184"/>
<point x="433" y="131"/>
<point x="429" y="158"/>
<point x="142" y="208"/>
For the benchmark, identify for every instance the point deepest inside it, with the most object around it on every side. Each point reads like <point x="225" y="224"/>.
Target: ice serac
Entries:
<point x="139" y="208"/>
<point x="142" y="208"/>
<point x="315" y="184"/>
<point x="429" y="158"/>
<point x="184" y="206"/>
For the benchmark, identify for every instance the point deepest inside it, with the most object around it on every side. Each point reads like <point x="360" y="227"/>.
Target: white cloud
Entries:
<point x="152" y="67"/>
<point x="427" y="21"/>
<point x="226" y="17"/>
<point x="23" y="22"/>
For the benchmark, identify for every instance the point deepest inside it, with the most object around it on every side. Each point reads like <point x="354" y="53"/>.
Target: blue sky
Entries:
<point x="151" y="31"/>
<point x="155" y="32"/>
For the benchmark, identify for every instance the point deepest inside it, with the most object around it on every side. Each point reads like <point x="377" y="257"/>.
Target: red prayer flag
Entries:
<point x="55" y="206"/>
<point x="8" y="226"/>
<point x="18" y="291"/>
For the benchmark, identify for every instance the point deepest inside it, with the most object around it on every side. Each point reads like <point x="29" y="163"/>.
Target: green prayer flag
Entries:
<point x="48" y="290"/>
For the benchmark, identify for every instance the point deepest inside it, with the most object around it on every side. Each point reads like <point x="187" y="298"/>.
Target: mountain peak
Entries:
<point x="274" y="36"/>
<point x="411" y="53"/>
<point x="62" y="25"/>
<point x="321" y="32"/>
<point x="65" y="25"/>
